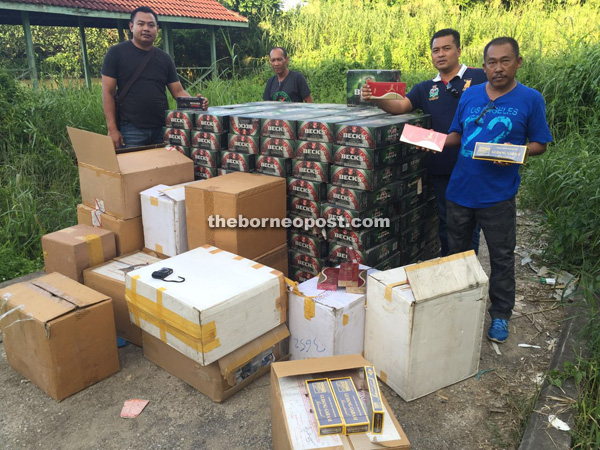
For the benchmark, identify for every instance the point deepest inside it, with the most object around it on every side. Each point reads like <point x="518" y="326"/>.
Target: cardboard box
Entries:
<point x="129" y="234"/>
<point x="425" y="335"/>
<point x="71" y="250"/>
<point x="276" y="259"/>
<point x="109" y="279"/>
<point x="249" y="195"/>
<point x="325" y="323"/>
<point x="163" y="215"/>
<point x="292" y="422"/>
<point x="230" y="374"/>
<point x="60" y="335"/>
<point x="224" y="302"/>
<point x="112" y="182"/>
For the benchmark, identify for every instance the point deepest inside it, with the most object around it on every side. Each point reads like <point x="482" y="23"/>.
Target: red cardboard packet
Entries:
<point x="328" y="279"/>
<point x="422" y="137"/>
<point x="349" y="270"/>
<point x="387" y="90"/>
<point x="362" y="284"/>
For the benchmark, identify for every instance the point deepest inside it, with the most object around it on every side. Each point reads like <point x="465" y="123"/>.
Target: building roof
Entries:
<point x="167" y="10"/>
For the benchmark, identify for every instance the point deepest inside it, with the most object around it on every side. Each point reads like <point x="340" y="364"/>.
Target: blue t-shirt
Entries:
<point x="433" y="98"/>
<point x="519" y="116"/>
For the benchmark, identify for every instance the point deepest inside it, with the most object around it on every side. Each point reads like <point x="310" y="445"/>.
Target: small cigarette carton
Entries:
<point x="312" y="171"/>
<point x="375" y="409"/>
<point x="283" y="148"/>
<point x="212" y="121"/>
<point x="328" y="279"/>
<point x="244" y="144"/>
<point x="177" y="136"/>
<point x="311" y="190"/>
<point x="387" y="90"/>
<point x="351" y="407"/>
<point x="205" y="158"/>
<point x="314" y="151"/>
<point x="516" y="154"/>
<point x="421" y="137"/>
<point x="240" y="162"/>
<point x="208" y="141"/>
<point x="356" y="78"/>
<point x="325" y="408"/>
<point x="183" y="120"/>
<point x="190" y="103"/>
<point x="274" y="165"/>
<point x="361" y="287"/>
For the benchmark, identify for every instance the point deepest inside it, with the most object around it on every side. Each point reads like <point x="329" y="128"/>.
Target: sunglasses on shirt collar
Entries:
<point x="489" y="107"/>
<point x="453" y="91"/>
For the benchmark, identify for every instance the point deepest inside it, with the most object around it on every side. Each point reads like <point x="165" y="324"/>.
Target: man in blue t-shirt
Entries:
<point x="439" y="97"/>
<point x="501" y="111"/>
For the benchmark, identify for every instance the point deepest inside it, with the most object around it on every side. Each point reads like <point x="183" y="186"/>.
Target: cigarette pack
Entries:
<point x="273" y="165"/>
<point x="349" y="269"/>
<point x="205" y="158"/>
<point x="356" y="78"/>
<point x="361" y="287"/>
<point x="304" y="207"/>
<point x="177" y="136"/>
<point x="311" y="245"/>
<point x="374" y="404"/>
<point x="351" y="406"/>
<point x="387" y="90"/>
<point x="312" y="171"/>
<point x="325" y="408"/>
<point x="244" y="144"/>
<point x="314" y="151"/>
<point x="208" y="141"/>
<point x="283" y="148"/>
<point x="190" y="103"/>
<point x="328" y="279"/>
<point x="239" y="162"/>
<point x="422" y="137"/>
<point x="311" y="190"/>
<point x="183" y="120"/>
<point x="516" y="154"/>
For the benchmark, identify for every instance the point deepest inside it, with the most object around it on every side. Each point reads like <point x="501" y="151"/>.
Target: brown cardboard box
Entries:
<point x="232" y="195"/>
<point x="109" y="279"/>
<point x="129" y="234"/>
<point x="76" y="248"/>
<point x="291" y="415"/>
<point x="112" y="182"/>
<point x="230" y="374"/>
<point x="276" y="259"/>
<point x="60" y="334"/>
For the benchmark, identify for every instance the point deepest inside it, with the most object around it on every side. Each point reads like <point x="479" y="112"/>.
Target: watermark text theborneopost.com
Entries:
<point x="306" y="223"/>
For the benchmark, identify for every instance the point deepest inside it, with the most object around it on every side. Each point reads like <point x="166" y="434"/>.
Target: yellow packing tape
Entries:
<point x="202" y="338"/>
<point x="345" y="319"/>
<point x="389" y="287"/>
<point x="94" y="248"/>
<point x="309" y="303"/>
<point x="158" y="248"/>
<point x="153" y="201"/>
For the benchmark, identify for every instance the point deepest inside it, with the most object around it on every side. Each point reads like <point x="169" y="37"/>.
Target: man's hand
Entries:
<point x="366" y="92"/>
<point x="204" y="103"/>
<point x="116" y="137"/>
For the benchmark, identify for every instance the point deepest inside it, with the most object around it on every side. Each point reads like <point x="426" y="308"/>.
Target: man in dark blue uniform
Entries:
<point x="439" y="97"/>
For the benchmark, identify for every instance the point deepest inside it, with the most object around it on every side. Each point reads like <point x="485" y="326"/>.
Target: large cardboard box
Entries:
<point x="293" y="423"/>
<point x="224" y="302"/>
<point x="325" y="323"/>
<point x="71" y="250"/>
<point x="109" y="279"/>
<point x="129" y="234"/>
<point x="276" y="259"/>
<point x="112" y="182"/>
<point x="252" y="196"/>
<point x="424" y="323"/>
<point x="59" y="334"/>
<point x="163" y="215"/>
<point x="230" y="374"/>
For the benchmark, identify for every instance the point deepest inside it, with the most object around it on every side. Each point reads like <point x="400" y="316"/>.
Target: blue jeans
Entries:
<point x="136" y="137"/>
<point x="440" y="184"/>
<point x="499" y="224"/>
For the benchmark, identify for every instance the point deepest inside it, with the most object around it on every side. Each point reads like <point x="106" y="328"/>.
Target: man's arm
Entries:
<point x="308" y="99"/>
<point x="453" y="139"/>
<point x="536" y="149"/>
<point x="390" y="106"/>
<point x="177" y="90"/>
<point x="109" y="87"/>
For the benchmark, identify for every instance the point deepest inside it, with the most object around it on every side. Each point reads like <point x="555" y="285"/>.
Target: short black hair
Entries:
<point x="446" y="32"/>
<point x="279" y="48"/>
<point x="501" y="41"/>
<point x="143" y="9"/>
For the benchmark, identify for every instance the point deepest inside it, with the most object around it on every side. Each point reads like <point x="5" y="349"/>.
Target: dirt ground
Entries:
<point x="483" y="412"/>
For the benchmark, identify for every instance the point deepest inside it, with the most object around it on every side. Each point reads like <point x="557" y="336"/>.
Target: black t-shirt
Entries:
<point x="146" y="102"/>
<point x="293" y="88"/>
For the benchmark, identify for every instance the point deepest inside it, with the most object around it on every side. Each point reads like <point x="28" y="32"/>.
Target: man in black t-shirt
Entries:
<point x="286" y="85"/>
<point x="142" y="111"/>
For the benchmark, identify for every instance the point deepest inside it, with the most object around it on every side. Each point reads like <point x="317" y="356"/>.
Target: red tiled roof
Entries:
<point x="195" y="9"/>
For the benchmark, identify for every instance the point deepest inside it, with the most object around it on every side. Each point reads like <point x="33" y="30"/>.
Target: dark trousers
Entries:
<point x="136" y="137"/>
<point x="499" y="225"/>
<point x="440" y="184"/>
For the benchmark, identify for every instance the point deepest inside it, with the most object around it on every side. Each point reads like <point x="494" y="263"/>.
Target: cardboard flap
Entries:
<point x="318" y="365"/>
<point x="240" y="183"/>
<point x="240" y="357"/>
<point x="442" y="276"/>
<point x="150" y="159"/>
<point x="175" y="193"/>
<point x="94" y="149"/>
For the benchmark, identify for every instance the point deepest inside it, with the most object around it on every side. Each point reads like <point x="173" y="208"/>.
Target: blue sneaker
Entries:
<point x="498" y="331"/>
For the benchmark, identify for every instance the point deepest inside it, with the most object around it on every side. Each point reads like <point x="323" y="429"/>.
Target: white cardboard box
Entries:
<point x="325" y="323"/>
<point x="163" y="216"/>
<point x="225" y="302"/>
<point x="426" y="334"/>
